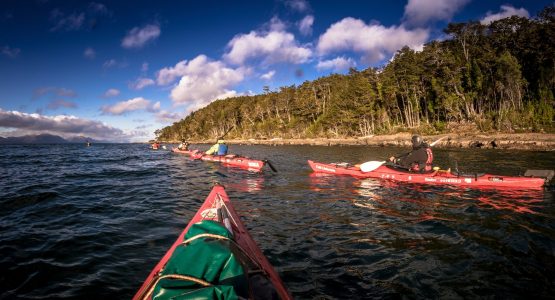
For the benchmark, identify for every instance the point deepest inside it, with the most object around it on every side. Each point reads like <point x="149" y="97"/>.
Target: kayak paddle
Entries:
<point x="270" y="165"/>
<point x="437" y="141"/>
<point x="370" y="166"/>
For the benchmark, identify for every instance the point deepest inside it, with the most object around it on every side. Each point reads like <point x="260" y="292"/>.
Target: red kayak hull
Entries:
<point x="208" y="212"/>
<point x="437" y="177"/>
<point x="176" y="150"/>
<point x="232" y="160"/>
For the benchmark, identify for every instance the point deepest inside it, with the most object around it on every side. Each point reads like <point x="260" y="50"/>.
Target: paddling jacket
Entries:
<point x="217" y="149"/>
<point x="222" y="149"/>
<point x="419" y="159"/>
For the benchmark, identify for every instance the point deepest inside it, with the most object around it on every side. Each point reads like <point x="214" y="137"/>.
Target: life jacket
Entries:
<point x="429" y="162"/>
<point x="222" y="149"/>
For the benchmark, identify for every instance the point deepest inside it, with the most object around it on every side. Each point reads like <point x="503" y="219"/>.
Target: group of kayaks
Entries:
<point x="530" y="179"/>
<point x="216" y="258"/>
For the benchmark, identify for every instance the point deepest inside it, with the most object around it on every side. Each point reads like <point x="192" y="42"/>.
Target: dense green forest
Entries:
<point x="496" y="77"/>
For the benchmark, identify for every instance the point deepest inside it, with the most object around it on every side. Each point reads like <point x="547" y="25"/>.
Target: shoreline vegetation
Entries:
<point x="487" y="86"/>
<point x="509" y="141"/>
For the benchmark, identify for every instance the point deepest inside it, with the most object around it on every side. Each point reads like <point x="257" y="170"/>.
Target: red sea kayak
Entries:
<point x="232" y="160"/>
<point x="435" y="177"/>
<point x="227" y="261"/>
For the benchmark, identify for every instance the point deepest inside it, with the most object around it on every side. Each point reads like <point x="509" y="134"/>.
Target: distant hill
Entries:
<point x="44" y="139"/>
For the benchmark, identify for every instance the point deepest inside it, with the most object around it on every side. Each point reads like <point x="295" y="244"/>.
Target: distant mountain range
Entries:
<point x="45" y="139"/>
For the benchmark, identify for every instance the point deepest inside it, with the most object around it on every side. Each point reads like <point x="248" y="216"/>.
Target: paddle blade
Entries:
<point x="437" y="141"/>
<point x="270" y="165"/>
<point x="370" y="166"/>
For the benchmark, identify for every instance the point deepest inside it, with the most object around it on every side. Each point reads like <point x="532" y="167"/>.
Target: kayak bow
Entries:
<point x="214" y="232"/>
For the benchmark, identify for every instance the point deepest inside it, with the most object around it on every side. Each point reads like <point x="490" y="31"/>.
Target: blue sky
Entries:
<point x="118" y="70"/>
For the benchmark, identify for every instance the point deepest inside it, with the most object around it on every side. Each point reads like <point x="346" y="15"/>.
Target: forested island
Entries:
<point x="486" y="79"/>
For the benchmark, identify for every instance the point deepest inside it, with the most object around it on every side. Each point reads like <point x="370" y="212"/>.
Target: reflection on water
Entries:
<point x="518" y="201"/>
<point x="249" y="184"/>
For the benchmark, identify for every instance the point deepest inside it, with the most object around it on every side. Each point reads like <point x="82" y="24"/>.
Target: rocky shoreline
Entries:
<point x="522" y="141"/>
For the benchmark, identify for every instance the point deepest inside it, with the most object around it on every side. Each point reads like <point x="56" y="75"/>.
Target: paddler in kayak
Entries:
<point x="420" y="159"/>
<point x="220" y="148"/>
<point x="183" y="146"/>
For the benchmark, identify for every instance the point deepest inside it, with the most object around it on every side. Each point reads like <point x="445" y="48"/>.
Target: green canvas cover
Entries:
<point x="208" y="259"/>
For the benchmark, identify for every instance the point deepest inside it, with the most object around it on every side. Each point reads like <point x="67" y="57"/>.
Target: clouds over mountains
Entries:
<point x="64" y="125"/>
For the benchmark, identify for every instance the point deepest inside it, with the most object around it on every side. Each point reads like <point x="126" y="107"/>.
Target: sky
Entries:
<point x="119" y="70"/>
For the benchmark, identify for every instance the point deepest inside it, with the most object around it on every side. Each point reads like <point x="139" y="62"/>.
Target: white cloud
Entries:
<point x="89" y="53"/>
<point x="55" y="104"/>
<point x="98" y="8"/>
<point x="373" y="41"/>
<point x="268" y="75"/>
<point x="61" y="124"/>
<point x="112" y="63"/>
<point x="109" y="63"/>
<point x="10" y="52"/>
<point x="273" y="47"/>
<point x="134" y="104"/>
<point x="305" y="25"/>
<point x="298" y="5"/>
<point x="141" y="83"/>
<point x="202" y="81"/>
<point x="168" y="75"/>
<point x="167" y="117"/>
<point x="54" y="91"/>
<point x="138" y="37"/>
<point x="111" y="93"/>
<point x="337" y="64"/>
<point x="506" y="11"/>
<point x="155" y="107"/>
<point x="70" y="22"/>
<point x="419" y="12"/>
<point x="276" y="24"/>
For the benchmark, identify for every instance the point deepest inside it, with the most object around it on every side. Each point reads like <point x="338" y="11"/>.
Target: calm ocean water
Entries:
<point x="91" y="222"/>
